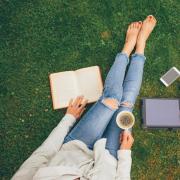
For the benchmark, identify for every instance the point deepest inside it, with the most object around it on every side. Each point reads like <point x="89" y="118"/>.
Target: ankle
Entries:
<point x="139" y="51"/>
<point x="140" y="46"/>
<point x="125" y="52"/>
<point x="126" y="49"/>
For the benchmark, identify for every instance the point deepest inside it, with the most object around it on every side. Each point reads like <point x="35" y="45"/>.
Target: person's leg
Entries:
<point x="131" y="87"/>
<point x="91" y="126"/>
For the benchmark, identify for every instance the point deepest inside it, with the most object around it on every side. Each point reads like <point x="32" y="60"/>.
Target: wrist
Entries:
<point x="124" y="147"/>
<point x="70" y="115"/>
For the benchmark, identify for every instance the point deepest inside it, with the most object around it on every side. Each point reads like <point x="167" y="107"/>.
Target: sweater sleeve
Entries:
<point x="124" y="165"/>
<point x="41" y="156"/>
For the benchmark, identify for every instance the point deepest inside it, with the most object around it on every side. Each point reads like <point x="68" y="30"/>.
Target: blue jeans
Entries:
<point x="100" y="120"/>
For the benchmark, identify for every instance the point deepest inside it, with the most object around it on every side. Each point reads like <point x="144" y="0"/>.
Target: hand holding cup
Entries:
<point x="126" y="140"/>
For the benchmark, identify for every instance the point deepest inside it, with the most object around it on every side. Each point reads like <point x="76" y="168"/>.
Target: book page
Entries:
<point x="90" y="82"/>
<point x="63" y="88"/>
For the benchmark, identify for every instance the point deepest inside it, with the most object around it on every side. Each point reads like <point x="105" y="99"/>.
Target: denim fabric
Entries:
<point x="100" y="120"/>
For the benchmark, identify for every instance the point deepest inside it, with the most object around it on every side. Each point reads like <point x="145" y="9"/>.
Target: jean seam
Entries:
<point x="124" y="54"/>
<point x="138" y="54"/>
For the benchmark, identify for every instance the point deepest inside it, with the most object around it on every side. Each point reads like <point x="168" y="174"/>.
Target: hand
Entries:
<point x="77" y="107"/>
<point x="126" y="140"/>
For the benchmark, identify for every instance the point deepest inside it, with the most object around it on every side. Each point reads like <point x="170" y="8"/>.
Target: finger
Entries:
<point x="131" y="141"/>
<point x="83" y="104"/>
<point x="121" y="137"/>
<point x="70" y="102"/>
<point x="130" y="138"/>
<point x="82" y="111"/>
<point x="80" y="101"/>
<point x="125" y="135"/>
<point x="76" y="100"/>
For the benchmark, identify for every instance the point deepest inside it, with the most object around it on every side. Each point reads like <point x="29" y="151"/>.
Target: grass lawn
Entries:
<point x="38" y="37"/>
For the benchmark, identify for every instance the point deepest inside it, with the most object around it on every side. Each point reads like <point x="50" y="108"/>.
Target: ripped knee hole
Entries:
<point x="111" y="102"/>
<point x="127" y="104"/>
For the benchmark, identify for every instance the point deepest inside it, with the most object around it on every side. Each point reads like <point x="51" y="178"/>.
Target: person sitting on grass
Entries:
<point x="92" y="147"/>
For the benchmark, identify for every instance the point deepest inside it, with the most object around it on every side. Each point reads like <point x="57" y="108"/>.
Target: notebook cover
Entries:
<point x="161" y="113"/>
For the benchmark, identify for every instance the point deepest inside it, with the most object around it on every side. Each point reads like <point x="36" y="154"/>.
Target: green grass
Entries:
<point x="38" y="37"/>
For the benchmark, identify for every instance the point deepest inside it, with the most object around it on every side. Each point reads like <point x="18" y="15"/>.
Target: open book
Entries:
<point x="70" y="84"/>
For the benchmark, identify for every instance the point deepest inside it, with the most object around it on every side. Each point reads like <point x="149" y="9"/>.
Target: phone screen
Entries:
<point x="170" y="76"/>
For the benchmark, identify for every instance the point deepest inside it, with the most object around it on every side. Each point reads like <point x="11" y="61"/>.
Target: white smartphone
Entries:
<point x="169" y="77"/>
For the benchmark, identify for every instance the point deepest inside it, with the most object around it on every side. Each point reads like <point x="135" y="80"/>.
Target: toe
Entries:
<point x="131" y="25"/>
<point x="150" y="16"/>
<point x="152" y="19"/>
<point x="139" y="24"/>
<point x="134" y="24"/>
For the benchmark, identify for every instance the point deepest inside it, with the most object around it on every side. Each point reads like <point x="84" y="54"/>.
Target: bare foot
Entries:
<point x="146" y="29"/>
<point x="131" y="37"/>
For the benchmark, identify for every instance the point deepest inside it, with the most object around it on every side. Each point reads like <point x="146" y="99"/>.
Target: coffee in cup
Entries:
<point x="125" y="120"/>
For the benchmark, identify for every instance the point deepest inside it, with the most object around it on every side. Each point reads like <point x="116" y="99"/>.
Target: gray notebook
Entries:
<point x="161" y="113"/>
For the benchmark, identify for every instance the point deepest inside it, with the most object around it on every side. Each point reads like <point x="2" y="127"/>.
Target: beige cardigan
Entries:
<point x="54" y="160"/>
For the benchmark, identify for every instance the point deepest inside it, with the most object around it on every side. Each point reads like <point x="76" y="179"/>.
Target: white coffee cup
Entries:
<point x="125" y="120"/>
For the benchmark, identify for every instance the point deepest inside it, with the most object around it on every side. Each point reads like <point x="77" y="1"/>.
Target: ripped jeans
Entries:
<point x="100" y="120"/>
